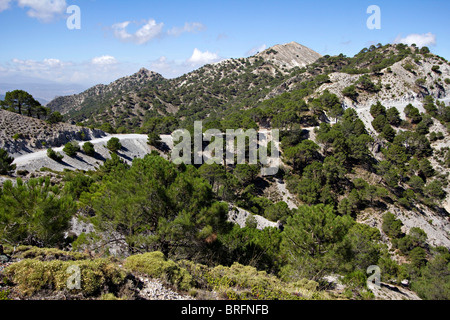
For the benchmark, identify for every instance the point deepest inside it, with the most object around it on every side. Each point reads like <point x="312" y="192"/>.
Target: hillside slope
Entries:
<point x="21" y="135"/>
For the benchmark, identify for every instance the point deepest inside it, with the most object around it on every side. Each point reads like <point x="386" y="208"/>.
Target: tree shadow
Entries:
<point x="120" y="154"/>
<point x="162" y="146"/>
<point x="62" y="162"/>
<point x="98" y="156"/>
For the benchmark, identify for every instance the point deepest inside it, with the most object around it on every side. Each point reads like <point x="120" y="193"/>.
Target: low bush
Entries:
<point x="156" y="265"/>
<point x="49" y="254"/>
<point x="97" y="276"/>
<point x="53" y="155"/>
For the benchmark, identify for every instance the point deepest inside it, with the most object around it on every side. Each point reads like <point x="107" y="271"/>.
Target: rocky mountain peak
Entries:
<point x="290" y="55"/>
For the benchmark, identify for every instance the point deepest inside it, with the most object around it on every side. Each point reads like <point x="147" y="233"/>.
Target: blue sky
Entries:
<point x="117" y="38"/>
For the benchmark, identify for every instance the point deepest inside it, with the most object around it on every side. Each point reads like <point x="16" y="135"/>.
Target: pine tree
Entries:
<point x="6" y="161"/>
<point x="34" y="213"/>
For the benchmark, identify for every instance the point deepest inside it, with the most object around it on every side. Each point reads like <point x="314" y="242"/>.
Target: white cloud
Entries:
<point x="104" y="61"/>
<point x="43" y="10"/>
<point x="255" y="50"/>
<point x="421" y="40"/>
<point x="4" y="4"/>
<point x="175" y="68"/>
<point x="102" y="69"/>
<point x="147" y="32"/>
<point x="200" y="58"/>
<point x="189" y="27"/>
<point x="37" y="67"/>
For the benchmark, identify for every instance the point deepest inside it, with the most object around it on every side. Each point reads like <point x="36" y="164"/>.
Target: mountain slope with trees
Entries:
<point x="366" y="195"/>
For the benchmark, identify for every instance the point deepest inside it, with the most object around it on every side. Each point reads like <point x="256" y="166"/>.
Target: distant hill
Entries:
<point x="99" y="94"/>
<point x="205" y="92"/>
<point x="210" y="93"/>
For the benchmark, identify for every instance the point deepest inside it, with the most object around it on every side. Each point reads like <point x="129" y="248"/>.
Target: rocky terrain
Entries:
<point x="116" y="89"/>
<point x="21" y="135"/>
<point x="290" y="55"/>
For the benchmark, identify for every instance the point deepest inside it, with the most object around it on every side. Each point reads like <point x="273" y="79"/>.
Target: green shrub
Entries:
<point x="55" y="117"/>
<point x="71" y="149"/>
<point x="114" y="145"/>
<point x="88" y="149"/>
<point x="32" y="276"/>
<point x="48" y="254"/>
<point x="54" y="156"/>
<point x="4" y="295"/>
<point x="435" y="68"/>
<point x="34" y="213"/>
<point x="23" y="172"/>
<point x="350" y="92"/>
<point x="6" y="161"/>
<point x="392" y="226"/>
<point x="17" y="136"/>
<point x="240" y="282"/>
<point x="156" y="265"/>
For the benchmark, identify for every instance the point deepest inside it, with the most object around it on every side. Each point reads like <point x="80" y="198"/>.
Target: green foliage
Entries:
<point x="54" y="155"/>
<point x="6" y="166"/>
<point x="434" y="283"/>
<point x="350" y="92"/>
<point x="259" y="248"/>
<point x="71" y="149"/>
<point x="34" y="213"/>
<point x="277" y="212"/>
<point x="309" y="238"/>
<point x="107" y="127"/>
<point x="302" y="154"/>
<point x="435" y="190"/>
<point x="156" y="265"/>
<point x="4" y="295"/>
<point x="436" y="69"/>
<point x="416" y="183"/>
<point x="413" y="113"/>
<point x="377" y="110"/>
<point x="392" y="227"/>
<point x="388" y="133"/>
<point x="412" y="144"/>
<point x="154" y="206"/>
<point x="48" y="254"/>
<point x="359" y="249"/>
<point x="114" y="145"/>
<point x="17" y="136"/>
<point x="393" y="117"/>
<point x="21" y="102"/>
<point x="245" y="173"/>
<point x="379" y="123"/>
<point x="55" y="118"/>
<point x="33" y="276"/>
<point x="76" y="184"/>
<point x="366" y="84"/>
<point x="88" y="149"/>
<point x="246" y="282"/>
<point x="154" y="139"/>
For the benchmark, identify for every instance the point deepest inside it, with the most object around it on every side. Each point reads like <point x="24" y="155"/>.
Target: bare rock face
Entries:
<point x="239" y="216"/>
<point x="290" y="55"/>
<point x="20" y="134"/>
